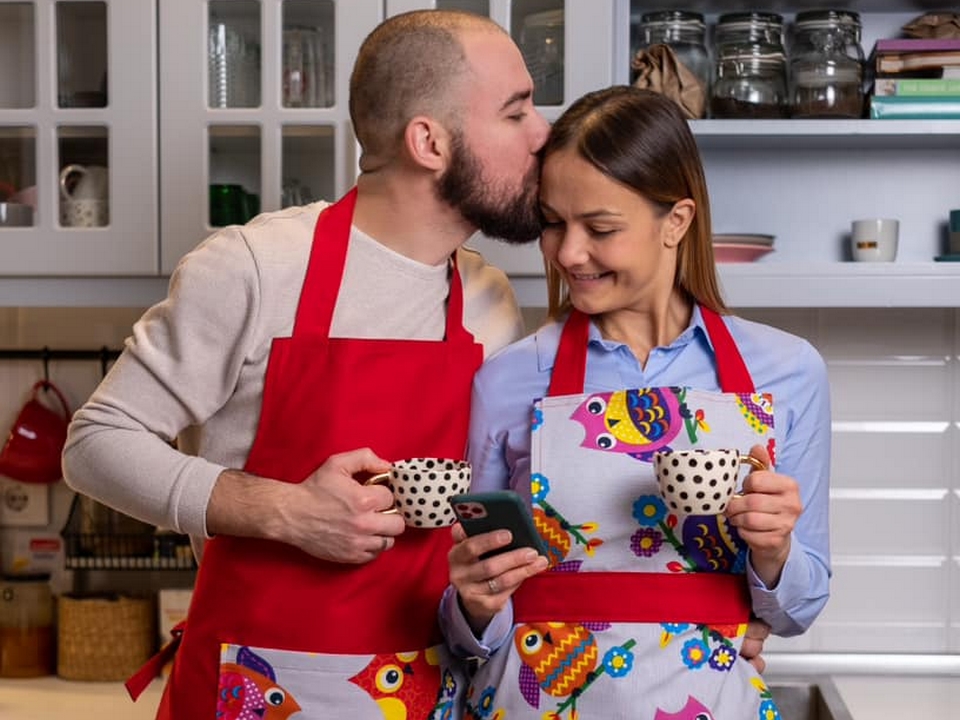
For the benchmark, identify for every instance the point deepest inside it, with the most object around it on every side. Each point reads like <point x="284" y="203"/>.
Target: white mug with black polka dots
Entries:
<point x="421" y="487"/>
<point x="700" y="482"/>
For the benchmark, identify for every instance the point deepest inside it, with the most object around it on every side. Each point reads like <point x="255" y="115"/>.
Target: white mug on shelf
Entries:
<point x="874" y="239"/>
<point x="84" y="196"/>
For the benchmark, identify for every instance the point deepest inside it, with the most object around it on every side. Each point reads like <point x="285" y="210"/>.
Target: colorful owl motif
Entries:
<point x="557" y="658"/>
<point x="757" y="409"/>
<point x="248" y="690"/>
<point x="635" y="422"/>
<point x="404" y="685"/>
<point x="712" y="544"/>
<point x="693" y="710"/>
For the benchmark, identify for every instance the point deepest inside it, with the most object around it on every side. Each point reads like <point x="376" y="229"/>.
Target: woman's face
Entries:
<point x="615" y="249"/>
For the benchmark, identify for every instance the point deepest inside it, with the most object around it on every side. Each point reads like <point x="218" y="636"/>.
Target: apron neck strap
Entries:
<point x="731" y="369"/>
<point x="570" y="366"/>
<point x="328" y="256"/>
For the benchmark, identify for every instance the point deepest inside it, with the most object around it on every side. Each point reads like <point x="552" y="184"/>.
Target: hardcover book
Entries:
<point x="899" y="55"/>
<point x="906" y="107"/>
<point x="901" y="62"/>
<point x="916" y="86"/>
<point x="912" y="45"/>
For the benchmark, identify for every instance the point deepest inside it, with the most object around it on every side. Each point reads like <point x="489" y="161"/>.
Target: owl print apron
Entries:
<point x="642" y="613"/>
<point x="274" y="633"/>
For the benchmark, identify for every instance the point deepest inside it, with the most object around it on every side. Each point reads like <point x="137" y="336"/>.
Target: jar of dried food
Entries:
<point x="683" y="32"/>
<point x="750" y="71"/>
<point x="26" y="626"/>
<point x="826" y="65"/>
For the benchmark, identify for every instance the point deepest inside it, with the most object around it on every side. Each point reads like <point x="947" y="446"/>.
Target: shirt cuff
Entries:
<point x="460" y="637"/>
<point x="769" y="603"/>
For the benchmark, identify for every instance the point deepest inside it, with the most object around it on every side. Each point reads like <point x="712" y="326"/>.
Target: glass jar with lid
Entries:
<point x="26" y="626"/>
<point x="826" y="65"/>
<point x="750" y="71"/>
<point x="685" y="33"/>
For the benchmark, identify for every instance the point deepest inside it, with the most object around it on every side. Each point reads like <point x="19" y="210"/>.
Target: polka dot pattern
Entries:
<point x="421" y="487"/>
<point x="697" y="482"/>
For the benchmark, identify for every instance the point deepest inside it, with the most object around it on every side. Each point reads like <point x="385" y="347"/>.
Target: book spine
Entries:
<point x="910" y="45"/>
<point x="917" y="86"/>
<point x="900" y="107"/>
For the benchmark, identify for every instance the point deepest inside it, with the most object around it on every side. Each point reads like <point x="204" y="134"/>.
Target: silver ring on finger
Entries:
<point x="492" y="584"/>
<point x="386" y="543"/>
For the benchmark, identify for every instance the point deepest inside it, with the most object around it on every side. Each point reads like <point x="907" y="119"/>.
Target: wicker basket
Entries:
<point x="104" y="637"/>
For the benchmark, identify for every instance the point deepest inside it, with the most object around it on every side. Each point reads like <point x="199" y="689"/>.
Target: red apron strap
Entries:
<point x="731" y="370"/>
<point x="331" y="237"/>
<point x="328" y="255"/>
<point x="139" y="681"/>
<point x="702" y="598"/>
<point x="455" y="326"/>
<point x="570" y="366"/>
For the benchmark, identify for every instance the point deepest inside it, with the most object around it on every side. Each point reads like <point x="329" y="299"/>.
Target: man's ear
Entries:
<point x="678" y="220"/>
<point x="427" y="142"/>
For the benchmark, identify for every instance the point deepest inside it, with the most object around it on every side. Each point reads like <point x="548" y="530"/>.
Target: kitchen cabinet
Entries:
<point x="78" y="86"/>
<point x="171" y="125"/>
<point x="234" y="109"/>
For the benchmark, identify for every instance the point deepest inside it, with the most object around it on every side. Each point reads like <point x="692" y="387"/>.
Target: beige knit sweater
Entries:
<point x="194" y="366"/>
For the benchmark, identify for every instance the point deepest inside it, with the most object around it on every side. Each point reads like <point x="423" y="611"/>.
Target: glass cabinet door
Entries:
<point x="254" y="113"/>
<point x="78" y="169"/>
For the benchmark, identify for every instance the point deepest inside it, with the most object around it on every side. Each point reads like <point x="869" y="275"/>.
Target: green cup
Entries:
<point x="228" y="205"/>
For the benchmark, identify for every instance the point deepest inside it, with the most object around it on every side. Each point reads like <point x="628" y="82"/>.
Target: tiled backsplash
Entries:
<point x="895" y="521"/>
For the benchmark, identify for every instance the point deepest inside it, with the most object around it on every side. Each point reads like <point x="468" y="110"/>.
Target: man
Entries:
<point x="287" y="343"/>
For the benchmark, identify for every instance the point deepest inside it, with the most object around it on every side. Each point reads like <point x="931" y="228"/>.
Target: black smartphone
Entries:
<point x="483" y="512"/>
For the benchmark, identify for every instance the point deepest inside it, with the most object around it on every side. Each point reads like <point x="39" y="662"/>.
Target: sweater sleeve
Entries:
<point x="178" y="368"/>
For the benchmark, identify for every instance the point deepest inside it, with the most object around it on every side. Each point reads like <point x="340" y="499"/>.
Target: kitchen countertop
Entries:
<point x="868" y="697"/>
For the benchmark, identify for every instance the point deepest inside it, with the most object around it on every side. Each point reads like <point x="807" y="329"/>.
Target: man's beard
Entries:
<point x="515" y="220"/>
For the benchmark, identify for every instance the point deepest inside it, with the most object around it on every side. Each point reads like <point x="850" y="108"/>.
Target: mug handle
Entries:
<point x="65" y="175"/>
<point x="380" y="479"/>
<point x="47" y="385"/>
<point x="753" y="462"/>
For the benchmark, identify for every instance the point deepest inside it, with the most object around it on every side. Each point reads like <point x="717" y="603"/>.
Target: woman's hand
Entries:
<point x="485" y="586"/>
<point x="765" y="515"/>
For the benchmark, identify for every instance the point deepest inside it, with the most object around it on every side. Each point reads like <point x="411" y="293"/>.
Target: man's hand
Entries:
<point x="330" y="515"/>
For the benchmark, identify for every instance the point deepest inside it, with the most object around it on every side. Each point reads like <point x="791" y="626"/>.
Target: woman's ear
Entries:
<point x="427" y="143"/>
<point x="677" y="221"/>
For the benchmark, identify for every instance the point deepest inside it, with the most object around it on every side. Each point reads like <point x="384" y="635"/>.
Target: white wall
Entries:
<point x="895" y="494"/>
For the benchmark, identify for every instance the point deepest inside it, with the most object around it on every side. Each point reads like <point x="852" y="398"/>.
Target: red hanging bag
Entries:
<point x="32" y="451"/>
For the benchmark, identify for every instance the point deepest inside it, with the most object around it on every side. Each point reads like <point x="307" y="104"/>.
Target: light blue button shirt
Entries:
<point x="782" y="364"/>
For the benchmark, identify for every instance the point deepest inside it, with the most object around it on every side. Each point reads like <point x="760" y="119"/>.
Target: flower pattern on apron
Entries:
<point x="642" y="612"/>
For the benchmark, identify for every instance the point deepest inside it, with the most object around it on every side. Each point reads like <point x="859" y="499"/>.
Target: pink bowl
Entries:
<point x="736" y="252"/>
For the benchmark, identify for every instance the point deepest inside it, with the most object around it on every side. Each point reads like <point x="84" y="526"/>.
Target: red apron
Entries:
<point x="322" y="396"/>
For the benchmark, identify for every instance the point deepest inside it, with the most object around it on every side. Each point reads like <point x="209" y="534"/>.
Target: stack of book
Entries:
<point x="916" y="78"/>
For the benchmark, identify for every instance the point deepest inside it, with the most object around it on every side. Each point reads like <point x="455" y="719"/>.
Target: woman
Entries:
<point x="643" y="610"/>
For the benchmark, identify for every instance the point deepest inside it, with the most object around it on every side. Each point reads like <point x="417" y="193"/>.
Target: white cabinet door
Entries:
<point x="253" y="109"/>
<point x="78" y="91"/>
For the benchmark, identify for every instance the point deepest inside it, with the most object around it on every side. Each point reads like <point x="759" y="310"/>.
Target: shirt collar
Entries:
<point x="548" y="339"/>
